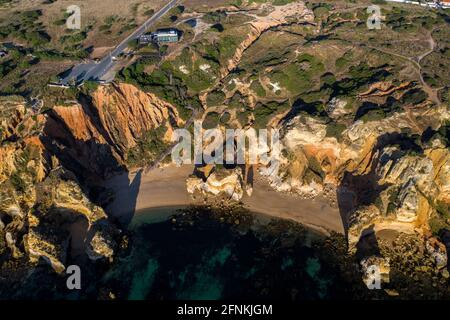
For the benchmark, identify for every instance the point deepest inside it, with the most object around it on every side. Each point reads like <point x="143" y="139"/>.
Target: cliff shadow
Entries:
<point x="444" y="236"/>
<point x="125" y="188"/>
<point x="97" y="167"/>
<point x="358" y="189"/>
<point x="88" y="159"/>
<point x="368" y="244"/>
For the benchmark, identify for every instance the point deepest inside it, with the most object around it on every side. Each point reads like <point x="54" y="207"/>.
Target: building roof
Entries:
<point x="166" y="32"/>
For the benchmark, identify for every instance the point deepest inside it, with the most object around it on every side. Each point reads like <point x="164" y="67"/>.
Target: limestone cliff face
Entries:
<point x="45" y="214"/>
<point x="126" y="113"/>
<point x="393" y="183"/>
<point x="64" y="221"/>
<point x="97" y="134"/>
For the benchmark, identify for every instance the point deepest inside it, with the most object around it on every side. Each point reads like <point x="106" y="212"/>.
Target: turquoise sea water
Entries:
<point x="212" y="256"/>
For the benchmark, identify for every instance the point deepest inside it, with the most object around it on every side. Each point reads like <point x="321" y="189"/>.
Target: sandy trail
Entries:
<point x="166" y="187"/>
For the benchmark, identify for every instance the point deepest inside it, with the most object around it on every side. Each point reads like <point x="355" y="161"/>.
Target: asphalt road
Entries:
<point x="94" y="71"/>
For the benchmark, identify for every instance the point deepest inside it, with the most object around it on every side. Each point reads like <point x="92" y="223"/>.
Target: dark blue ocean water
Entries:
<point x="205" y="254"/>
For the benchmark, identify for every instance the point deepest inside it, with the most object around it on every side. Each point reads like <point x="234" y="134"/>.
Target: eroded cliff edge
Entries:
<point x="389" y="174"/>
<point x="52" y="168"/>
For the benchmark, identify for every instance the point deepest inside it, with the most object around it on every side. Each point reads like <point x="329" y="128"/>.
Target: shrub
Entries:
<point x="258" y="89"/>
<point x="18" y="182"/>
<point x="263" y="112"/>
<point x="215" y="98"/>
<point x="335" y="130"/>
<point x="211" y="120"/>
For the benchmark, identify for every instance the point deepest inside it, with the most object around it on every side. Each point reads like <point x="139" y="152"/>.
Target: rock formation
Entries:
<point x="45" y="212"/>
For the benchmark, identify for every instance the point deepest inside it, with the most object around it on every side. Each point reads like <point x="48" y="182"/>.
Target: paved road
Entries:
<point x="94" y="71"/>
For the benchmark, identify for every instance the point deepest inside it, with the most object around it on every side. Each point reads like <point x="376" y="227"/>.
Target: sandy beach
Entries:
<point x="166" y="187"/>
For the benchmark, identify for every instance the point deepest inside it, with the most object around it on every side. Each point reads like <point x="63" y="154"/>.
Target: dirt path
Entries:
<point x="432" y="93"/>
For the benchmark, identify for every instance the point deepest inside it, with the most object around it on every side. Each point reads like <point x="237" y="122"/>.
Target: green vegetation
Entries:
<point x="243" y="116"/>
<point x="335" y="130"/>
<point x="17" y="182"/>
<point x="214" y="17"/>
<point x="149" y="147"/>
<point x="161" y="82"/>
<point x="344" y="61"/>
<point x="90" y="86"/>
<point x="315" y="167"/>
<point x="374" y="112"/>
<point x="12" y="70"/>
<point x="195" y="71"/>
<point x="321" y="9"/>
<point x="442" y="134"/>
<point x="258" y="89"/>
<point x="211" y="120"/>
<point x="26" y="27"/>
<point x="149" y="12"/>
<point x="215" y="98"/>
<point x="133" y="44"/>
<point x="225" y="118"/>
<point x="264" y="112"/>
<point x="24" y="174"/>
<point x="298" y="76"/>
<point x="281" y="2"/>
<point x="237" y="101"/>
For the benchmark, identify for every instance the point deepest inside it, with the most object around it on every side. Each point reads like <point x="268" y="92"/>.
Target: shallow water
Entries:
<point x="203" y="254"/>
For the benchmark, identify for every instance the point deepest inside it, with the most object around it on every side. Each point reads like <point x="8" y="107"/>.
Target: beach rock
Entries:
<point x="223" y="182"/>
<point x="101" y="246"/>
<point x="437" y="251"/>
<point x="49" y="244"/>
<point x="61" y="205"/>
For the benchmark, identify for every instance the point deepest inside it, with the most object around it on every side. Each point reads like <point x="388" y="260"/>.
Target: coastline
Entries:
<point x="166" y="188"/>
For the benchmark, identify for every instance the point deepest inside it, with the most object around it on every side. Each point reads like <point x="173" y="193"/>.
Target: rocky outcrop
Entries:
<point x="437" y="251"/>
<point x="64" y="220"/>
<point x="395" y="182"/>
<point x="97" y="134"/>
<point x="375" y="272"/>
<point x="44" y="213"/>
<point x="226" y="182"/>
<point x="126" y="113"/>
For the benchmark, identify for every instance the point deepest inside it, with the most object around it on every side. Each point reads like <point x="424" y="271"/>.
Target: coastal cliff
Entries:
<point x="386" y="174"/>
<point x="48" y="164"/>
